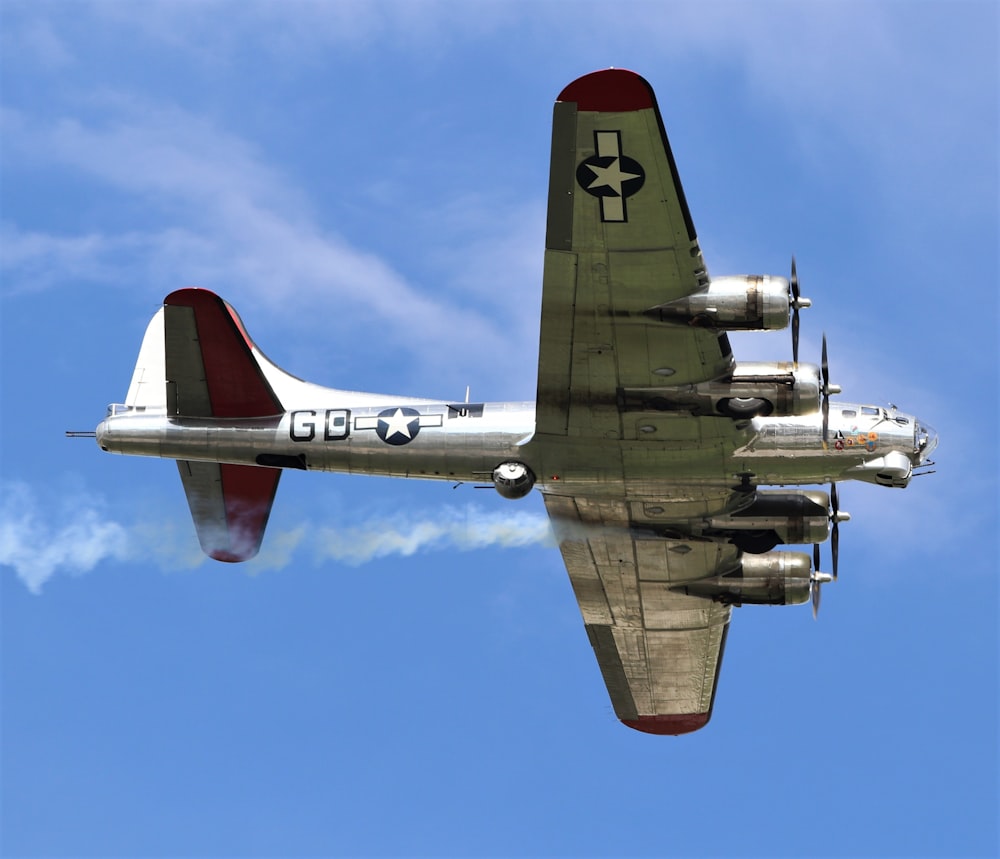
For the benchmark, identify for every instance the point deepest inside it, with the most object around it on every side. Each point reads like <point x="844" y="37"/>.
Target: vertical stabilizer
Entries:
<point x="209" y="363"/>
<point x="149" y="379"/>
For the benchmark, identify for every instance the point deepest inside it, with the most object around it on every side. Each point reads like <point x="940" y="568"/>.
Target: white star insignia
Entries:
<point x="399" y="424"/>
<point x="611" y="176"/>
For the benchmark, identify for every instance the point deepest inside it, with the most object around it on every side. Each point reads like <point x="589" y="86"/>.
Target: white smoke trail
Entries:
<point x="38" y="539"/>
<point x="465" y="529"/>
<point x="36" y="547"/>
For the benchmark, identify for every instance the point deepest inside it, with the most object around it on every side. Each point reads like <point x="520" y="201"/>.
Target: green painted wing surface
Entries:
<point x="620" y="240"/>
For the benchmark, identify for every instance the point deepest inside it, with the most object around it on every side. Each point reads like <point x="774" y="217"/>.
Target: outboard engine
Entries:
<point x="775" y="578"/>
<point x="733" y="303"/>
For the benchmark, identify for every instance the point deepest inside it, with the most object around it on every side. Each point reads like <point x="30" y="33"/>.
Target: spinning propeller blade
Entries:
<point x="835" y="530"/>
<point x="814" y="585"/>
<point x="825" y="368"/>
<point x="793" y="289"/>
<point x="796" y="302"/>
<point x="826" y="390"/>
<point x="816" y="578"/>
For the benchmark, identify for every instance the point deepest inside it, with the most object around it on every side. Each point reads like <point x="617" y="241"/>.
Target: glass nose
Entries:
<point x="927" y="440"/>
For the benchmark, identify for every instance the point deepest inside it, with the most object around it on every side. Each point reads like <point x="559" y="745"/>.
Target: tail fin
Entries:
<point x="203" y="359"/>
<point x="209" y="363"/>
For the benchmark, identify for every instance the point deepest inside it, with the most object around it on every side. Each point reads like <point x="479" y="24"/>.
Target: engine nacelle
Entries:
<point x="775" y="516"/>
<point x="774" y="578"/>
<point x="746" y="302"/>
<point x="755" y="389"/>
<point x="513" y="479"/>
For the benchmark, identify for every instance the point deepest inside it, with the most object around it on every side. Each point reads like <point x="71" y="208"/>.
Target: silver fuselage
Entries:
<point x="464" y="442"/>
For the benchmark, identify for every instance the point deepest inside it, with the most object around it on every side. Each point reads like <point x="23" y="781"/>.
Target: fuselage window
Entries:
<point x="849" y="413"/>
<point x="869" y="410"/>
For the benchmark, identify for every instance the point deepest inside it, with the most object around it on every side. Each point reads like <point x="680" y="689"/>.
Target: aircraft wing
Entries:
<point x="659" y="651"/>
<point x="620" y="241"/>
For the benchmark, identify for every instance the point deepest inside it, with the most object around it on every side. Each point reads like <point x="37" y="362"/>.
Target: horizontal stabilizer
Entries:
<point x="210" y="368"/>
<point x="230" y="505"/>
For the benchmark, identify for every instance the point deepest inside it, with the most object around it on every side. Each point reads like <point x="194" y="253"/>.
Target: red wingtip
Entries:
<point x="671" y="725"/>
<point x="229" y="557"/>
<point x="611" y="90"/>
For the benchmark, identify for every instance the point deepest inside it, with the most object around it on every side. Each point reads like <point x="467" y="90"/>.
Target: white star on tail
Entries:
<point x="611" y="176"/>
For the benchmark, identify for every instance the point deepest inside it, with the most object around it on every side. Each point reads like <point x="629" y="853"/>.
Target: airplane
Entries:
<point x="664" y="464"/>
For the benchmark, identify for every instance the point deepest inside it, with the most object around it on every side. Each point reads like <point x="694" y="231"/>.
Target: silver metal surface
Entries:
<point x="734" y="303"/>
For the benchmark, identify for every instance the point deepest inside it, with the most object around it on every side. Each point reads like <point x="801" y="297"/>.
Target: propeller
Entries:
<point x="816" y="580"/>
<point x="836" y="517"/>
<point x="825" y="369"/>
<point x="814" y="585"/>
<point x="796" y="302"/>
<point x="835" y="528"/>
<point x="826" y="390"/>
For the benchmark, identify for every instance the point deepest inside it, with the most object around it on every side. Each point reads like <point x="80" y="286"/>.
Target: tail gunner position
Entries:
<point x="650" y="444"/>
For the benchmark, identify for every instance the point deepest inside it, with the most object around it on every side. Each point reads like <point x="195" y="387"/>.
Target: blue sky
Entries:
<point x="366" y="183"/>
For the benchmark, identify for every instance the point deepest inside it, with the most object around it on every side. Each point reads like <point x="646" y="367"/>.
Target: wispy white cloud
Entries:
<point x="302" y="30"/>
<point x="840" y="70"/>
<point x="35" y="40"/>
<point x="232" y="222"/>
<point x="32" y="261"/>
<point x="846" y="64"/>
<point x="224" y="216"/>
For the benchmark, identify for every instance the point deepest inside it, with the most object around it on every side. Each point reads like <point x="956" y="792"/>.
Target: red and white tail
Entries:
<point x="197" y="360"/>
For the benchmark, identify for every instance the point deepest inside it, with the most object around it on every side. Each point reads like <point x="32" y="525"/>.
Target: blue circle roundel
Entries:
<point x="398" y="425"/>
<point x="610" y="175"/>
